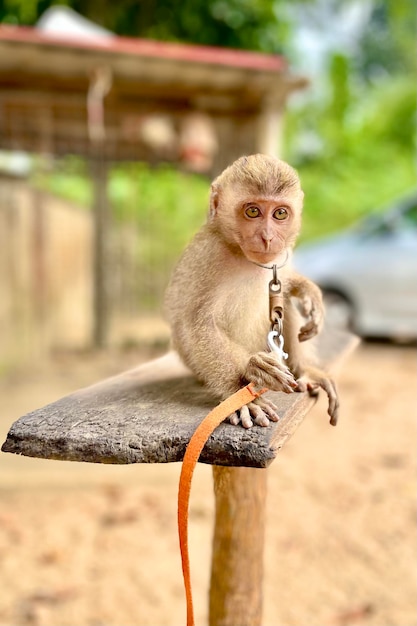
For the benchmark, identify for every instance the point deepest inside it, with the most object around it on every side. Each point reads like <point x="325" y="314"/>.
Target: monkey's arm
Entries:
<point x="310" y="303"/>
<point x="303" y="364"/>
<point x="223" y="363"/>
<point x="224" y="366"/>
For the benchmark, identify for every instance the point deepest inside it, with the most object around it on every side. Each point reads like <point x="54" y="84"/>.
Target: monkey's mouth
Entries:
<point x="257" y="256"/>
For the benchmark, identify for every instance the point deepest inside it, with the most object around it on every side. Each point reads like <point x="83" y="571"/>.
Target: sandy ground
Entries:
<point x="91" y="545"/>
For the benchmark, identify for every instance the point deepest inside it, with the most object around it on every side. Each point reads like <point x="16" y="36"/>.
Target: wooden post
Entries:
<point x="39" y="245"/>
<point x="99" y="86"/>
<point x="238" y="547"/>
<point x="101" y="214"/>
<point x="270" y="117"/>
<point x="269" y="139"/>
<point x="39" y="268"/>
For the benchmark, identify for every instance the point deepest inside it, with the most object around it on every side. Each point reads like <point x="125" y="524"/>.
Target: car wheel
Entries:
<point x="339" y="310"/>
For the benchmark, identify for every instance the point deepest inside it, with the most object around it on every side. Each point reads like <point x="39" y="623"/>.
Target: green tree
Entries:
<point x="229" y="23"/>
<point x="388" y="44"/>
<point x="354" y="145"/>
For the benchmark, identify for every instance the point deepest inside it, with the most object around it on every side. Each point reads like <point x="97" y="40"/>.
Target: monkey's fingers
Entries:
<point x="327" y="384"/>
<point x="268" y="407"/>
<point x="276" y="381"/>
<point x="308" y="331"/>
<point x="245" y="417"/>
<point x="330" y="388"/>
<point x="305" y="385"/>
<point x="313" y="389"/>
<point x="252" y="414"/>
<point x="234" y="419"/>
<point x="259" y="412"/>
<point x="264" y="369"/>
<point x="301" y="385"/>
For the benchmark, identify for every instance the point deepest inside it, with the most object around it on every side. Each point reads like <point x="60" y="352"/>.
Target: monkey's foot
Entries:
<point x="265" y="369"/>
<point x="260" y="412"/>
<point x="312" y="385"/>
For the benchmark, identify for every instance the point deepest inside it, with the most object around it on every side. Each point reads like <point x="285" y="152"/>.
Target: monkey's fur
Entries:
<point x="217" y="300"/>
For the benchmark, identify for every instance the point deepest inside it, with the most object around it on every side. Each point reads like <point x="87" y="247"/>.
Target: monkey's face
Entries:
<point x="266" y="227"/>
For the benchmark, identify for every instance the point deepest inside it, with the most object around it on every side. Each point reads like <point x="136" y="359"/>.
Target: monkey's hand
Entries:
<point x="310" y="304"/>
<point x="312" y="380"/>
<point x="312" y="309"/>
<point x="264" y="369"/>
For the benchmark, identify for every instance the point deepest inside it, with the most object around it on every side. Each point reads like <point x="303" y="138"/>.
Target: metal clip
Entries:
<point x="276" y="298"/>
<point x="279" y="349"/>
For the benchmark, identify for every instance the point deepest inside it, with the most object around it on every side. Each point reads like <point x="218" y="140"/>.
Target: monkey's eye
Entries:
<point x="252" y="211"/>
<point x="281" y="213"/>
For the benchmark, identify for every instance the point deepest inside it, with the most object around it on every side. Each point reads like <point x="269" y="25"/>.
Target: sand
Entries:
<point x="92" y="545"/>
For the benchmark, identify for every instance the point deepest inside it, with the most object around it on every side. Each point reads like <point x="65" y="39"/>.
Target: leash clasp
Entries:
<point x="274" y="335"/>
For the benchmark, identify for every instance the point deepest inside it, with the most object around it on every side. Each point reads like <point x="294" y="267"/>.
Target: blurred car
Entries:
<point x="368" y="274"/>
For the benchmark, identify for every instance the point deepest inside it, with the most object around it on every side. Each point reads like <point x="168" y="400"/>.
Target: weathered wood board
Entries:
<point x="147" y="415"/>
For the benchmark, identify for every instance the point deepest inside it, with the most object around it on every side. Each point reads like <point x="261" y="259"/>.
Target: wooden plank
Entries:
<point x="147" y="415"/>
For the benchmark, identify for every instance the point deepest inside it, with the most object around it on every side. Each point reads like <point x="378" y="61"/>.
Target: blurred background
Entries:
<point x="108" y="143"/>
<point x="114" y="117"/>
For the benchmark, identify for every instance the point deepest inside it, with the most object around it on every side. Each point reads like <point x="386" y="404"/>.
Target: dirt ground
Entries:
<point x="91" y="545"/>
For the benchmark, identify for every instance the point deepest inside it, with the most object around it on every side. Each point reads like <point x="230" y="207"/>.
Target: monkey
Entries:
<point x="217" y="299"/>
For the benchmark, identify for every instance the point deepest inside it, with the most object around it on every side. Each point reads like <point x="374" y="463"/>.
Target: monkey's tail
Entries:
<point x="195" y="446"/>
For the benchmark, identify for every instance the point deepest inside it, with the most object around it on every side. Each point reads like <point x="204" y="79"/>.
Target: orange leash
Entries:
<point x="195" y="446"/>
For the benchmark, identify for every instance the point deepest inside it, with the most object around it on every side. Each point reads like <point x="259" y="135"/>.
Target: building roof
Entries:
<point x="44" y="71"/>
<point x="147" y="48"/>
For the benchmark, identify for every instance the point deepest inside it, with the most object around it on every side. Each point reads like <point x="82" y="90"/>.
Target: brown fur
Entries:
<point x="217" y="300"/>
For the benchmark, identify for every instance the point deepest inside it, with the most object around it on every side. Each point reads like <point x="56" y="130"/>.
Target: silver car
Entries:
<point x="368" y="274"/>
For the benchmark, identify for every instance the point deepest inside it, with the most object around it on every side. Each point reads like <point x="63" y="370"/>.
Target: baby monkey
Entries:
<point x="217" y="300"/>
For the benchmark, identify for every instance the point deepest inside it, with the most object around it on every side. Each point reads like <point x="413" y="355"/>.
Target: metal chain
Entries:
<point x="276" y="315"/>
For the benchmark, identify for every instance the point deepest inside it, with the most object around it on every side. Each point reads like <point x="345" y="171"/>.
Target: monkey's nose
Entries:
<point x="267" y="238"/>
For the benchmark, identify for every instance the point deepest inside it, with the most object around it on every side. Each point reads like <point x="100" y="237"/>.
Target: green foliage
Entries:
<point x="340" y="191"/>
<point x="354" y="146"/>
<point x="388" y="113"/>
<point x="228" y="23"/>
<point x="364" y="153"/>
<point x="69" y="179"/>
<point x="25" y="12"/>
<point x="156" y="212"/>
<point x="166" y="207"/>
<point x="339" y="81"/>
<point x="163" y="205"/>
<point x="388" y="44"/>
<point x="17" y="12"/>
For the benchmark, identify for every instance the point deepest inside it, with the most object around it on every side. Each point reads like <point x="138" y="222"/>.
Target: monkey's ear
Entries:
<point x="214" y="202"/>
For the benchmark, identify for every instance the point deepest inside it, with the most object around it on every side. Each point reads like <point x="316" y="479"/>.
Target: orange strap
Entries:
<point x="196" y="444"/>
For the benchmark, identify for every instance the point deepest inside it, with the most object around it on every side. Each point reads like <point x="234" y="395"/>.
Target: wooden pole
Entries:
<point x="101" y="215"/>
<point x="270" y="124"/>
<point x="99" y="86"/>
<point x="39" y="267"/>
<point x="238" y="547"/>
